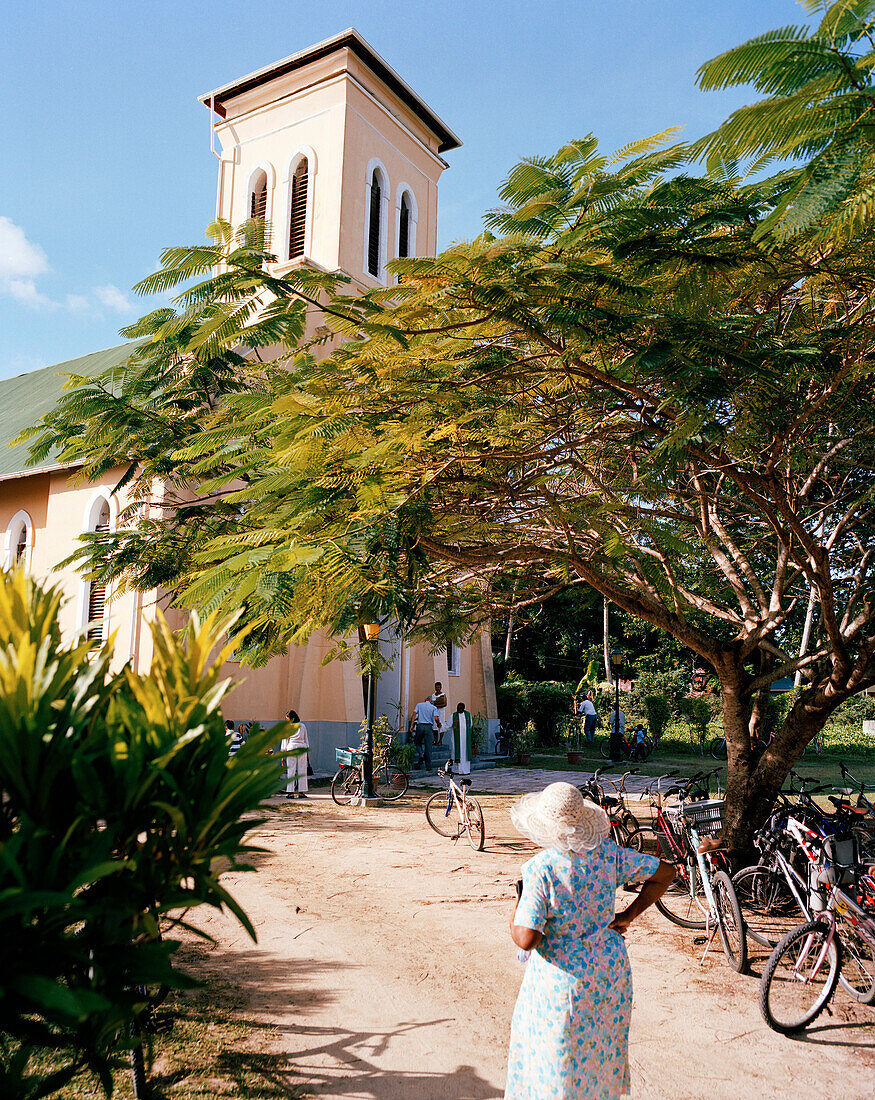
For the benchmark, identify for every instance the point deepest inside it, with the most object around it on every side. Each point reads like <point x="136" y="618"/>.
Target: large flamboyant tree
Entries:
<point x="651" y="384"/>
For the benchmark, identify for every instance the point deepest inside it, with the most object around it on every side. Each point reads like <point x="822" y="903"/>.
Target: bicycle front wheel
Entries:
<point x="857" y="975"/>
<point x="733" y="934"/>
<point x="346" y="785"/>
<point x="767" y="904"/>
<point x="717" y="748"/>
<point x="800" y="977"/>
<point x="684" y="902"/>
<point x="438" y="813"/>
<point x="474" y="825"/>
<point x="390" y="782"/>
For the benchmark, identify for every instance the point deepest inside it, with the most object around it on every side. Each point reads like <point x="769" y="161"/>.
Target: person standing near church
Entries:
<point x="461" y="747"/>
<point x="439" y="702"/>
<point x="296" y="766"/>
<point x="423" y="723"/>
<point x="589" y="714"/>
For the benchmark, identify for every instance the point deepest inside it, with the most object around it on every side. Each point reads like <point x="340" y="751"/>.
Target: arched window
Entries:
<point x="19" y="541"/>
<point x="404" y="227"/>
<point x="298" y="210"/>
<point x="97" y="589"/>
<point x="258" y="196"/>
<point x="94" y="598"/>
<point x="375" y="226"/>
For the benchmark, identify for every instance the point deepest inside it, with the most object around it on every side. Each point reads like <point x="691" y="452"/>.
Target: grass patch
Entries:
<point x="201" y="1047"/>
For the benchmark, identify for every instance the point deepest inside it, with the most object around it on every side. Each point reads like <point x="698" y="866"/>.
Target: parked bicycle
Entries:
<point x="348" y="784"/>
<point x="836" y="945"/>
<point x="468" y="816"/>
<point x="809" y="865"/>
<point x="702" y="896"/>
<point x="504" y="739"/>
<point x="622" y="821"/>
<point x="632" y="748"/>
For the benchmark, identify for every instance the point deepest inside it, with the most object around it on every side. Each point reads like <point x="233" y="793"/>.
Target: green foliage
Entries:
<point x="120" y="806"/>
<point x="542" y="702"/>
<point x="818" y="88"/>
<point x="528" y="738"/>
<point x="658" y="714"/>
<point x="698" y="714"/>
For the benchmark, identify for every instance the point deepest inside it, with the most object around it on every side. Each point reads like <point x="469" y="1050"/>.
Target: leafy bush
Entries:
<point x="658" y="711"/>
<point x="698" y="714"/>
<point x="119" y="805"/>
<point x="543" y="702"/>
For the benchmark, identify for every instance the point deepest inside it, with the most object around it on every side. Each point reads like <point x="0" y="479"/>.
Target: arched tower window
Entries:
<point x="298" y="210"/>
<point x="404" y="227"/>
<point x="19" y="541"/>
<point x="95" y="599"/>
<point x="375" y="226"/>
<point x="258" y="196"/>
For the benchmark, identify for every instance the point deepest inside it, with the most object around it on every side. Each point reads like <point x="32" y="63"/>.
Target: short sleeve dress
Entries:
<point x="570" y="1031"/>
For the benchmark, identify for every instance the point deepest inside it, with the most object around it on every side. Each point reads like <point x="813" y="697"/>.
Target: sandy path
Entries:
<point x="384" y="964"/>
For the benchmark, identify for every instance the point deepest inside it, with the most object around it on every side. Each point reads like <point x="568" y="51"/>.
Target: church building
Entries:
<point x="342" y="159"/>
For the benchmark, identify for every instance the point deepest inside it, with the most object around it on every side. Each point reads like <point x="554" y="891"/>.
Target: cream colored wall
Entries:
<point x="58" y="504"/>
<point x="346" y="118"/>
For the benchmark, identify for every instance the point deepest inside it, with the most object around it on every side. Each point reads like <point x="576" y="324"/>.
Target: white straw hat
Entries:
<point x="560" y="817"/>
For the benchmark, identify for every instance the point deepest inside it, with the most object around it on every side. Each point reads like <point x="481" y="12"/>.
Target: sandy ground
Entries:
<point x="384" y="964"/>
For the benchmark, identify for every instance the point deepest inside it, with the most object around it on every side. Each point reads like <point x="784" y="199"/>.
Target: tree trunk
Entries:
<point x="752" y="784"/>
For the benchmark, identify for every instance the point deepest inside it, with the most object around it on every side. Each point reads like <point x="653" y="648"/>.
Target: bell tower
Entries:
<point x="337" y="153"/>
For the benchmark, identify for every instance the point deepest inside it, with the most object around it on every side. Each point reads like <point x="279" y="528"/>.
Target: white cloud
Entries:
<point x="21" y="264"/>
<point x="21" y="261"/>
<point x="78" y="303"/>
<point x="113" y="298"/>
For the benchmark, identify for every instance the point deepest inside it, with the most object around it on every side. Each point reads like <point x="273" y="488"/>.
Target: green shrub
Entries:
<point x="120" y="807"/>
<point x="543" y="702"/>
<point x="658" y="711"/>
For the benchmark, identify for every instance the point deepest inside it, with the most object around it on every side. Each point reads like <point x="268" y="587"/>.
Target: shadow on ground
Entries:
<point x="353" y="1072"/>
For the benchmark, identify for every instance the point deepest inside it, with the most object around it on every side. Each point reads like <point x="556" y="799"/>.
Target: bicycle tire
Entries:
<point x="437" y="814"/>
<point x="475" y="826"/>
<point x="733" y="933"/>
<point x="865" y="836"/>
<point x="605" y="748"/>
<point x="346" y="785"/>
<point x="766" y="903"/>
<point x="385" y="784"/>
<point x="789" y="1002"/>
<point x="857" y="975"/>
<point x="679" y="903"/>
<point x="643" y="839"/>
<point x="717" y="748"/>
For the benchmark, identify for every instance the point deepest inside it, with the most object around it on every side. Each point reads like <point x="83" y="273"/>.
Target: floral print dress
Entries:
<point x="570" y="1030"/>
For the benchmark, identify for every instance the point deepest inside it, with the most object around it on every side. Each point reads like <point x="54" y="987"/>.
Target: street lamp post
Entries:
<point x="372" y="633"/>
<point x="616" y="735"/>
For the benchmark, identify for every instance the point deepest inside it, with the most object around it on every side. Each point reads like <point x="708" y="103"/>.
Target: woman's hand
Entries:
<point x="620" y="923"/>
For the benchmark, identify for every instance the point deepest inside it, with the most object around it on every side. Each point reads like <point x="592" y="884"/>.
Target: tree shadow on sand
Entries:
<point x="340" y="1062"/>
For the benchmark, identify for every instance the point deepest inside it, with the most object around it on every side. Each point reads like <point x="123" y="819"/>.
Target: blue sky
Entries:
<point x="106" y="149"/>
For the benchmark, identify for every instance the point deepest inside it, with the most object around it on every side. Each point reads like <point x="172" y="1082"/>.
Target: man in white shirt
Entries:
<point x="423" y="723"/>
<point x="590" y="717"/>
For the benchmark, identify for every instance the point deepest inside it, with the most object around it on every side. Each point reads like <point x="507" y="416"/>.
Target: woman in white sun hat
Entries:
<point x="570" y="1031"/>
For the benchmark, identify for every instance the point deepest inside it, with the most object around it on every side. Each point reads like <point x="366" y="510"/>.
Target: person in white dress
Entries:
<point x="296" y="766"/>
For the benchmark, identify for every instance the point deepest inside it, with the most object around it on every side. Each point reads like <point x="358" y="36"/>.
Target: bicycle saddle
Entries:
<point x="610" y="800"/>
<point x="465" y="782"/>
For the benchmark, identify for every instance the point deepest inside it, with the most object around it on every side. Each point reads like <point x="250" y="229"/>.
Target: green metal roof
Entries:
<point x="28" y="397"/>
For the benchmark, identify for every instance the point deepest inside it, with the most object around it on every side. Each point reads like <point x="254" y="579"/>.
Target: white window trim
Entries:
<point x="376" y="165"/>
<point x="270" y="176"/>
<point x="92" y="514"/>
<point x="406" y="189"/>
<point x="19" y="520"/>
<point x="294" y="160"/>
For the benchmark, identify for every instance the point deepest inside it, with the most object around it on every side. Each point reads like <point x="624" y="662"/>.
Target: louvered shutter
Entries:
<point x="258" y="202"/>
<point x="374" y="228"/>
<point x="298" y="213"/>
<point x="404" y="229"/>
<point x="96" y="589"/>
<point x="21" y="545"/>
